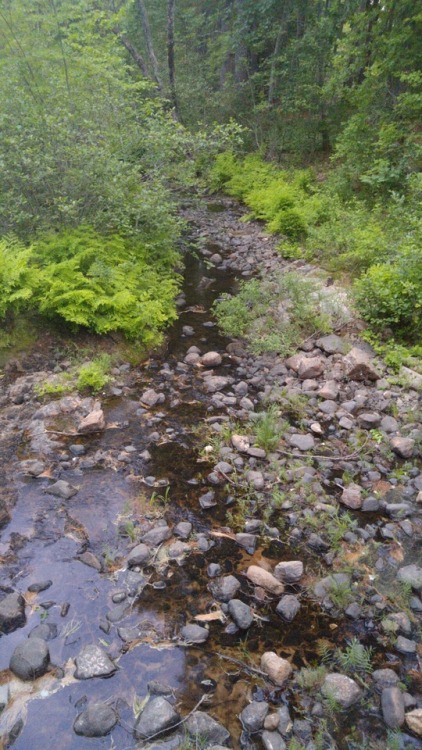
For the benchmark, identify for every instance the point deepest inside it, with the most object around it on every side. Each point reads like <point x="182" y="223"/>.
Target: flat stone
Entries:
<point x="392" y="704"/>
<point x="138" y="556"/>
<point x="414" y="721"/>
<point x="405" y="646"/>
<point x="329" y="390"/>
<point x="211" y="359"/>
<point x="247" y="541"/>
<point x="342" y="688"/>
<point x="93" y="422"/>
<point x="358" y="366"/>
<point x="264" y="579"/>
<point x="404" y="447"/>
<point x="96" y="721"/>
<point x="385" y="678"/>
<point x="207" y="500"/>
<point x="157" y="716"/>
<point x="200" y="724"/>
<point x="288" y="607"/>
<point x="241" y="443"/>
<point x="352" y="496"/>
<point x="253" y="716"/>
<point x="303" y="442"/>
<point x="311" y="367"/>
<point x="92" y="661"/>
<point x="36" y="588"/>
<point x="87" y="558"/>
<point x="32" y="467"/>
<point x="412" y="575"/>
<point x="346" y="423"/>
<point x="256" y="479"/>
<point x="183" y="529"/>
<point x="151" y="398"/>
<point x="277" y="669"/>
<point x="62" y="489"/>
<point x="328" y="407"/>
<point x="290" y="571"/>
<point x="224" y="588"/>
<point x="12" y="612"/>
<point x="369" y="420"/>
<point x="331" y="344"/>
<point x="30" y="659"/>
<point x="157" y="535"/>
<point x="256" y="452"/>
<point x="47" y="631"/>
<point x="241" y="613"/>
<point x="194" y="634"/>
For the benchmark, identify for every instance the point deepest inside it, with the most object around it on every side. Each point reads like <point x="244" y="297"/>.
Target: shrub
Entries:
<point x="95" y="374"/>
<point x="16" y="277"/>
<point x="290" y="223"/>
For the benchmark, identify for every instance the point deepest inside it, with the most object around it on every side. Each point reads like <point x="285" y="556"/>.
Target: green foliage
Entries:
<point x="268" y="429"/>
<point x="51" y="388"/>
<point x="355" y="658"/>
<point x="94" y="375"/>
<point x="274" y="314"/>
<point x="16" y="277"/>
<point x="105" y="283"/>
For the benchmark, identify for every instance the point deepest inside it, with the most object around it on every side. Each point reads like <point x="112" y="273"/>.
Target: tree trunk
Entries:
<point x="170" y="55"/>
<point x="272" y="81"/>
<point x="133" y="52"/>
<point x="149" y="43"/>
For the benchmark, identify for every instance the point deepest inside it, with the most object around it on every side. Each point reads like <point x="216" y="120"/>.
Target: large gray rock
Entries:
<point x="93" y="422"/>
<point x="403" y="446"/>
<point x="358" y="366"/>
<point x="157" y="716"/>
<point x="96" y="721"/>
<point x="138" y="556"/>
<point x="342" y="688"/>
<point x="392" y="704"/>
<point x="303" y="442"/>
<point x="290" y="571"/>
<point x="240" y="613"/>
<point x="352" y="496"/>
<point x="288" y="607"/>
<point x="92" y="661"/>
<point x="151" y="398"/>
<point x="62" y="489"/>
<point x="272" y="741"/>
<point x="12" y="612"/>
<point x="157" y="535"/>
<point x="412" y="575"/>
<point x="253" y="716"/>
<point x="30" y="659"/>
<point x="211" y="359"/>
<point x="214" y="383"/>
<point x="331" y="344"/>
<point x="206" y="729"/>
<point x="224" y="588"/>
<point x="311" y="367"/>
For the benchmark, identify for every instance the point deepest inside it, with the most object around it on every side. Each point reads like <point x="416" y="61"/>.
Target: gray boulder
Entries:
<point x="92" y="661"/>
<point x="30" y="659"/>
<point x="200" y="725"/>
<point x="96" y="721"/>
<point x="157" y="716"/>
<point x="12" y="612"/>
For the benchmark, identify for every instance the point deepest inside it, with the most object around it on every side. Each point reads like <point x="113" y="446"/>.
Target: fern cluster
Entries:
<point x="104" y="283"/>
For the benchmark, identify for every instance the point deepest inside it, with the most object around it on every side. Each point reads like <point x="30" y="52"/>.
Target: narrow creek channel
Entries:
<point x="134" y="615"/>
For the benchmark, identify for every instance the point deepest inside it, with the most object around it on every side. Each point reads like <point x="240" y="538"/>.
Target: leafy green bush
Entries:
<point x="95" y="374"/>
<point x="290" y="223"/>
<point x="390" y="294"/>
<point x="105" y="283"/>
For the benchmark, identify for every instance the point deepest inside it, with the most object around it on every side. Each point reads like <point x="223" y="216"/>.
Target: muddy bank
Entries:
<point x="169" y="547"/>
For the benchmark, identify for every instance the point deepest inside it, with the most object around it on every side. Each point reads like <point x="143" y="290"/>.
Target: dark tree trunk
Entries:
<point x="149" y="43"/>
<point x="170" y="55"/>
<point x="133" y="52"/>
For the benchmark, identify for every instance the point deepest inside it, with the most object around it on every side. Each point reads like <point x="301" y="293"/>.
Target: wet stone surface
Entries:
<point x="161" y="564"/>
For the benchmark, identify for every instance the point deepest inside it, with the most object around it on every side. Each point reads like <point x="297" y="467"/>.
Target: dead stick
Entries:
<point x="325" y="458"/>
<point x="242" y="664"/>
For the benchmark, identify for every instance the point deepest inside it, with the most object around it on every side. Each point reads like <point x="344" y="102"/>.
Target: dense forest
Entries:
<point x="308" y="111"/>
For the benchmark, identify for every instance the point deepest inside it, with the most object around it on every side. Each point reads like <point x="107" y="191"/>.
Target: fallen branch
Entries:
<point x="325" y="458"/>
<point x="244" y="666"/>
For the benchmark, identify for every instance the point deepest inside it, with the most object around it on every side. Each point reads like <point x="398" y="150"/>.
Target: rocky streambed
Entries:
<point x="221" y="549"/>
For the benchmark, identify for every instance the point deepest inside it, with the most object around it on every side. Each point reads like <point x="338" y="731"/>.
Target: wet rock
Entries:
<point x="157" y="535"/>
<point x="392" y="704"/>
<point x="32" y="467"/>
<point x="411" y="575"/>
<point x="96" y="721"/>
<point x="224" y="588"/>
<point x="211" y="359"/>
<point x="331" y="344"/>
<point x="157" y="716"/>
<point x="93" y="422"/>
<point x="36" y="588"/>
<point x="92" y="661"/>
<point x="138" y="556"/>
<point x="12" y="612"/>
<point x="46" y="630"/>
<point x="211" y="731"/>
<point x="240" y="613"/>
<point x="183" y="529"/>
<point x="352" y="496"/>
<point x="187" y="331"/>
<point x="30" y="659"/>
<point x="213" y="570"/>
<point x="404" y="447"/>
<point x="151" y="398"/>
<point x="253" y="716"/>
<point x="303" y="442"/>
<point x="358" y="366"/>
<point x="194" y="634"/>
<point x="405" y="645"/>
<point x="345" y="690"/>
<point x="272" y="741"/>
<point x="62" y="489"/>
<point x="263" y="578"/>
<point x="87" y="558"/>
<point x="256" y="479"/>
<point x="414" y="721"/>
<point x="214" y="383"/>
<point x="4" y="697"/>
<point x="290" y="571"/>
<point x="288" y="607"/>
<point x="277" y="669"/>
<point x="155" y="687"/>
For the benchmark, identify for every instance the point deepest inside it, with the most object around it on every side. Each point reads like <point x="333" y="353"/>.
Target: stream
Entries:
<point x="135" y="614"/>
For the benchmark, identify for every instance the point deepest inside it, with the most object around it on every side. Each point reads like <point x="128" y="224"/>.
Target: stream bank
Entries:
<point x="296" y="550"/>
